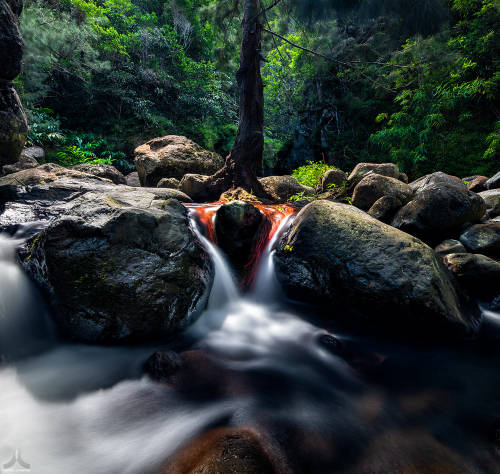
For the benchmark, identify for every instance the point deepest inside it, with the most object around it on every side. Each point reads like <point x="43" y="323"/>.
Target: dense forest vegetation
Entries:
<point x="341" y="86"/>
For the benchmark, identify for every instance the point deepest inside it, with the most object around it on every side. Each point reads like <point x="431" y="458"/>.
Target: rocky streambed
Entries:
<point x="141" y="332"/>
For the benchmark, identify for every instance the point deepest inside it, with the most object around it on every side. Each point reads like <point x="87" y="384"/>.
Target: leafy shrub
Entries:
<point x="311" y="174"/>
<point x="45" y="130"/>
<point x="301" y="197"/>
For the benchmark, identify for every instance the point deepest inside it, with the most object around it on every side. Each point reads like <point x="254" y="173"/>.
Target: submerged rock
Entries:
<point x="102" y="171"/>
<point x="384" y="169"/>
<point x="222" y="451"/>
<point x="163" y="364"/>
<point x="173" y="156"/>
<point x="374" y="186"/>
<point x="359" y="268"/>
<point x="116" y="271"/>
<point x="440" y="206"/>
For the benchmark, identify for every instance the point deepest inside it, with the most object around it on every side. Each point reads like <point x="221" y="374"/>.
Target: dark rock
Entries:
<point x="103" y="171"/>
<point x="239" y="228"/>
<point x="492" y="200"/>
<point x="29" y="158"/>
<point x="11" y="43"/>
<point x="361" y="269"/>
<point x="483" y="238"/>
<point x="118" y="273"/>
<point x="493" y="182"/>
<point x="475" y="183"/>
<point x="449" y="246"/>
<point x="495" y="304"/>
<point x="173" y="156"/>
<point x="374" y="186"/>
<point x="162" y="364"/>
<point x="385" y="208"/>
<point x="132" y="179"/>
<point x="477" y="273"/>
<point x="222" y="451"/>
<point x="384" y="169"/>
<point x="194" y="185"/>
<point x="13" y="123"/>
<point x="440" y="207"/>
<point x="333" y="178"/>
<point x="172" y="183"/>
<point x="285" y="187"/>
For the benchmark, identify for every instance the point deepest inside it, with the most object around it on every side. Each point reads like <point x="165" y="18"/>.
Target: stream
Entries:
<point x="327" y="401"/>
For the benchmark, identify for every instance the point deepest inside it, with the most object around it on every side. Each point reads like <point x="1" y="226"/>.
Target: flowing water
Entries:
<point x="327" y="402"/>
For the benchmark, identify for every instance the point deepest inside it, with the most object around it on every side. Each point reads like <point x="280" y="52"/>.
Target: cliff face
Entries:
<point x="13" y="124"/>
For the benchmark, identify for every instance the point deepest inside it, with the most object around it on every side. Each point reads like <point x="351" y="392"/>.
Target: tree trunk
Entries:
<point x="242" y="163"/>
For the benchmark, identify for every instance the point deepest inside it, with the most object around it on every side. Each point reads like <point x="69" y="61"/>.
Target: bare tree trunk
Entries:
<point x="242" y="163"/>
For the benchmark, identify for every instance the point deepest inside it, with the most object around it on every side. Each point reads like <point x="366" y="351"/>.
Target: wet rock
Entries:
<point x="492" y="200"/>
<point x="222" y="451"/>
<point x="132" y="179"/>
<point x="285" y="187"/>
<point x="493" y="182"/>
<point x="11" y="43"/>
<point x="116" y="272"/>
<point x="385" y="208"/>
<point x="450" y="246"/>
<point x="475" y="183"/>
<point x="172" y="183"/>
<point x="173" y="156"/>
<point x="333" y="179"/>
<point x="440" y="207"/>
<point x="29" y="158"/>
<point x="362" y="270"/>
<point x="239" y="229"/>
<point x="483" y="238"/>
<point x="384" y="169"/>
<point x="162" y="364"/>
<point x="13" y="124"/>
<point x="194" y="185"/>
<point x="374" y="186"/>
<point x="477" y="273"/>
<point x="102" y="171"/>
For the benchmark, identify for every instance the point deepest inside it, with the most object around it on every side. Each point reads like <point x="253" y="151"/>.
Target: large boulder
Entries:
<point x="360" y="269"/>
<point x="43" y="193"/>
<point x="222" y="451"/>
<point x="103" y="171"/>
<point x="385" y="169"/>
<point x="477" y="273"/>
<point x="30" y="158"/>
<point x="284" y="187"/>
<point x="13" y="124"/>
<point x="173" y="156"/>
<point x="483" y="238"/>
<point x="492" y="200"/>
<point x="493" y="182"/>
<point x="118" y="271"/>
<point x="11" y="43"/>
<point x="374" y="186"/>
<point x="239" y="228"/>
<point x="440" y="206"/>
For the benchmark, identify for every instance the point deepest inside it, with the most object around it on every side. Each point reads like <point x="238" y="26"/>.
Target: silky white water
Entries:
<point x="71" y="409"/>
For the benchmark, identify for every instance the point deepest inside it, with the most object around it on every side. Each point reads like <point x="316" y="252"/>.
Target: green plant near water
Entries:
<point x="301" y="197"/>
<point x="311" y="173"/>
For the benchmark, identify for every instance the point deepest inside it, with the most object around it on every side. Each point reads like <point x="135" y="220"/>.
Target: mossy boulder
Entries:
<point x="116" y="272"/>
<point x="284" y="187"/>
<point x="368" y="273"/>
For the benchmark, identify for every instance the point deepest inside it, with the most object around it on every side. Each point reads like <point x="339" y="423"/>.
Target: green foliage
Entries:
<point x="302" y="196"/>
<point x="311" y="174"/>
